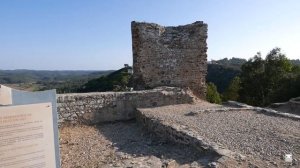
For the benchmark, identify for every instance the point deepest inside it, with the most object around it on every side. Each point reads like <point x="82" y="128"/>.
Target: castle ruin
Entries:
<point x="170" y="56"/>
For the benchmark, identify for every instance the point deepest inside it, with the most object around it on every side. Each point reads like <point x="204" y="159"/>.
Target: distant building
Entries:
<point x="129" y="68"/>
<point x="212" y="62"/>
<point x="130" y="71"/>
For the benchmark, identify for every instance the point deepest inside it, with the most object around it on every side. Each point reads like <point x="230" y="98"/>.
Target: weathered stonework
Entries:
<point x="170" y="56"/>
<point x="295" y="105"/>
<point x="292" y="106"/>
<point x="91" y="108"/>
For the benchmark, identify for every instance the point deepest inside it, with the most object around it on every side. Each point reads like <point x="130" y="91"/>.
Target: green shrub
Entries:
<point x="232" y="92"/>
<point x="212" y="94"/>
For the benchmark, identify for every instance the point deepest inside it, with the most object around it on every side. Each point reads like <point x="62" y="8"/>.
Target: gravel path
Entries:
<point x="256" y="135"/>
<point x="123" y="144"/>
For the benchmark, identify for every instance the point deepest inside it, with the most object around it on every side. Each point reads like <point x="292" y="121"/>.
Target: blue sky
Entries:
<point x="96" y="35"/>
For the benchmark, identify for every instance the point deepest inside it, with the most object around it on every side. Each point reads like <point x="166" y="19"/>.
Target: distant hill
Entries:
<point x="221" y="75"/>
<point x="221" y="72"/>
<point x="296" y="62"/>
<point x="119" y="80"/>
<point x="32" y="76"/>
<point x="33" y="80"/>
<point x="233" y="63"/>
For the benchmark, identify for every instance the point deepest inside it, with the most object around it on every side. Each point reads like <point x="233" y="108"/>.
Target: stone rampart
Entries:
<point x="92" y="108"/>
<point x="170" y="56"/>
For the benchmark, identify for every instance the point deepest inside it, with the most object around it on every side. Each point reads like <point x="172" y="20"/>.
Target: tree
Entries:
<point x="232" y="92"/>
<point x="277" y="67"/>
<point x="252" y="81"/>
<point x="212" y="94"/>
<point x="261" y="79"/>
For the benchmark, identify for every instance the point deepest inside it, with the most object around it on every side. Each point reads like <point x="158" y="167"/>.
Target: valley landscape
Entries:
<point x="219" y="93"/>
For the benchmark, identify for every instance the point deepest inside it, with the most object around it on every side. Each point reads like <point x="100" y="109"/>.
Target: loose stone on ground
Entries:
<point x="257" y="138"/>
<point x="123" y="144"/>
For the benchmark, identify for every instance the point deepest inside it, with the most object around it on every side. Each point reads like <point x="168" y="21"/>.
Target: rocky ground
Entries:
<point x="124" y="144"/>
<point x="261" y="139"/>
<point x="258" y="139"/>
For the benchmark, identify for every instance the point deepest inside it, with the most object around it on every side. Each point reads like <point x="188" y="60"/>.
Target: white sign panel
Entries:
<point x="27" y="136"/>
<point x="5" y="95"/>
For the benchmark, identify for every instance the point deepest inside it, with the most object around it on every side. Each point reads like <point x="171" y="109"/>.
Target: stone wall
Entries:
<point x="91" y="108"/>
<point x="294" y="104"/>
<point x="183" y="135"/>
<point x="270" y="111"/>
<point x="170" y="56"/>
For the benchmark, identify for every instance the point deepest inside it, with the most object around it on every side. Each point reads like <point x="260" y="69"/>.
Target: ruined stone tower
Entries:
<point x="170" y="56"/>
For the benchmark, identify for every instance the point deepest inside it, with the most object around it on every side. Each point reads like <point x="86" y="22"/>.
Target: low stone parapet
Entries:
<point x="92" y="108"/>
<point x="295" y="105"/>
<point x="291" y="114"/>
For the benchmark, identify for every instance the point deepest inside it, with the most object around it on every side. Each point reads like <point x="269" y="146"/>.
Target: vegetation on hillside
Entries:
<point x="296" y="62"/>
<point x="119" y="80"/>
<point x="234" y="63"/>
<point x="261" y="82"/>
<point x="257" y="81"/>
<point x="221" y="75"/>
<point x="269" y="80"/>
<point x="232" y="91"/>
<point x="223" y="71"/>
<point x="212" y="94"/>
<point x="33" y="76"/>
<point x="34" y="80"/>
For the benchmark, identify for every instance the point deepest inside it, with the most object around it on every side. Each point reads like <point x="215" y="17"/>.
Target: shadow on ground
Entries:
<point x="129" y="138"/>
